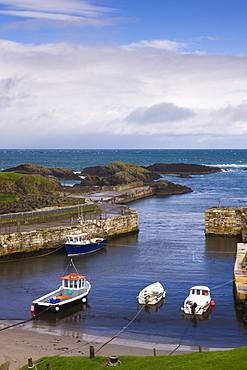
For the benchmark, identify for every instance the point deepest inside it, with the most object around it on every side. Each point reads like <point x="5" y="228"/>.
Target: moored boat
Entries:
<point x="198" y="301"/>
<point x="74" y="289"/>
<point x="79" y="243"/>
<point x="152" y="294"/>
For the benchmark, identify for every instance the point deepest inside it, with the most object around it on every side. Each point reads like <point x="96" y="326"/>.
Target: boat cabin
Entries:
<point x="73" y="282"/>
<point x="196" y="291"/>
<point x="77" y="238"/>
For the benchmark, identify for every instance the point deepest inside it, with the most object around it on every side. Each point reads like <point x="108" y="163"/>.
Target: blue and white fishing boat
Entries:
<point x="79" y="243"/>
<point x="74" y="289"/>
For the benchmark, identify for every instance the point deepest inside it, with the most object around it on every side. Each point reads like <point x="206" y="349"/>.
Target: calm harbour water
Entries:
<point x="171" y="247"/>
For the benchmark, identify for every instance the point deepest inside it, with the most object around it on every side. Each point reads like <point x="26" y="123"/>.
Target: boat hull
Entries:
<point x="40" y="307"/>
<point x="201" y="310"/>
<point x="152" y="294"/>
<point x="61" y="298"/>
<point x="74" y="250"/>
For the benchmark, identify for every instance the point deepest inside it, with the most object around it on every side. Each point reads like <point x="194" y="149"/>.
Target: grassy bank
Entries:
<point x="231" y="360"/>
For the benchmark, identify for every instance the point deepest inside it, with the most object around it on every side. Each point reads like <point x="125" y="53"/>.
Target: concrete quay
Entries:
<point x="119" y="197"/>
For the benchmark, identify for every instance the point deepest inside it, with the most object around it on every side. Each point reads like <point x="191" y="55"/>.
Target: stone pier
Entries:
<point x="225" y="221"/>
<point x="48" y="238"/>
<point x="240" y="274"/>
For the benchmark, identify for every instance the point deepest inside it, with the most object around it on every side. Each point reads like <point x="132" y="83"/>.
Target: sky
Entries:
<point x="126" y="74"/>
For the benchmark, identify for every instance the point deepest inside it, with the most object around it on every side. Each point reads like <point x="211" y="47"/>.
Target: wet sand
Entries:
<point x="18" y="344"/>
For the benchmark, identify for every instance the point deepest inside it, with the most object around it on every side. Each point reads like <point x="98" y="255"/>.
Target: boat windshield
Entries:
<point x="199" y="292"/>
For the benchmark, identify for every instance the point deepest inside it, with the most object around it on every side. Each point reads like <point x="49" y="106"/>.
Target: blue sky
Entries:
<point x="123" y="74"/>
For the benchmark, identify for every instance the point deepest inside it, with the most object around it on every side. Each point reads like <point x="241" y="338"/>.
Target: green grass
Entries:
<point x="89" y="208"/>
<point x="12" y="176"/>
<point x="8" y="198"/>
<point x="235" y="359"/>
<point x="131" y="167"/>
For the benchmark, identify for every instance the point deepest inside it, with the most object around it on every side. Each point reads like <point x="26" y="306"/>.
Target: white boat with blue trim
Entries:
<point x="78" y="243"/>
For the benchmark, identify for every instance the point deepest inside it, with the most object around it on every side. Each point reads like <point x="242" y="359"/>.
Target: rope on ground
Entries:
<point x="117" y="334"/>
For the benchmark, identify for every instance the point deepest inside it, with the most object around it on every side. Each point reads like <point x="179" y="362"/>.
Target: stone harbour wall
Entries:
<point x="225" y="221"/>
<point x="54" y="237"/>
<point x="240" y="275"/>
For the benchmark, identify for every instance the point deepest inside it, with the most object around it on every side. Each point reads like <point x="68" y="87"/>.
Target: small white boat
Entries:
<point x="152" y="294"/>
<point x="74" y="289"/>
<point x="198" y="301"/>
<point x="78" y="243"/>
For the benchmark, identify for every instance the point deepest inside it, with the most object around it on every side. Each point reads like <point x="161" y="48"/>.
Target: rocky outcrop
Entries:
<point x="117" y="173"/>
<point x="182" y="168"/>
<point x="163" y="187"/>
<point x="26" y="184"/>
<point x="33" y="169"/>
<point x="29" y="192"/>
<point x="32" y="202"/>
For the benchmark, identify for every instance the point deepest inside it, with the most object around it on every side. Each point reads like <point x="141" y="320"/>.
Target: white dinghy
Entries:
<point x="198" y="301"/>
<point x="152" y="294"/>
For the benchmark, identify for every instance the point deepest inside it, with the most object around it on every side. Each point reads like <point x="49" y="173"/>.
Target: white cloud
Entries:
<point x="37" y="15"/>
<point x="159" y="44"/>
<point x="63" y="90"/>
<point x="55" y="9"/>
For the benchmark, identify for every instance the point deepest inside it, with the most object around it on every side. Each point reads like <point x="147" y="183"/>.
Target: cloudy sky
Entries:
<point x="123" y="74"/>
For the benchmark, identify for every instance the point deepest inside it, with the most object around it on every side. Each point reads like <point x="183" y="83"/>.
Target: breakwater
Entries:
<point x="132" y="195"/>
<point x="37" y="240"/>
<point x="230" y="221"/>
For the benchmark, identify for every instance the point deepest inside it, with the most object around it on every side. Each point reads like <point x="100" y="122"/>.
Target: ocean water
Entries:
<point x="171" y="247"/>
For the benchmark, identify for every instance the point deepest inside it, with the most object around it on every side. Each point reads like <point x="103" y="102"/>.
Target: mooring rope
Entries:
<point x="29" y="257"/>
<point x="23" y="322"/>
<point x="218" y="286"/>
<point x="120" y="331"/>
<point x="181" y="338"/>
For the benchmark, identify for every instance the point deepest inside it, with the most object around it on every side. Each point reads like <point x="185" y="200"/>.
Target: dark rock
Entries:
<point x="31" y="185"/>
<point x="90" y="181"/>
<point x="184" y="176"/>
<point x="182" y="168"/>
<point x="32" y="202"/>
<point x="27" y="184"/>
<point x="164" y="187"/>
<point x="117" y="173"/>
<point x="33" y="169"/>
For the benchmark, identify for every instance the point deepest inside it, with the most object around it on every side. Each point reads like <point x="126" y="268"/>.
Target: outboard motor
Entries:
<point x="193" y="307"/>
<point x="146" y="297"/>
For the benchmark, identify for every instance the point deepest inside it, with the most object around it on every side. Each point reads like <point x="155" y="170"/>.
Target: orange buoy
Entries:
<point x="212" y="302"/>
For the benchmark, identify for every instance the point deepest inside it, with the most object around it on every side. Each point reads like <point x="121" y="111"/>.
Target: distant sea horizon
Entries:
<point x="77" y="159"/>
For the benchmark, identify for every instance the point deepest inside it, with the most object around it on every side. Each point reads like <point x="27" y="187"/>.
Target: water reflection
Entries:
<point x="197" y="318"/>
<point x="152" y="308"/>
<point x="75" y="315"/>
<point x="221" y="246"/>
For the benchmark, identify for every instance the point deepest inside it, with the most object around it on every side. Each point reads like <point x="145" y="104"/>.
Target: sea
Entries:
<point x="171" y="247"/>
